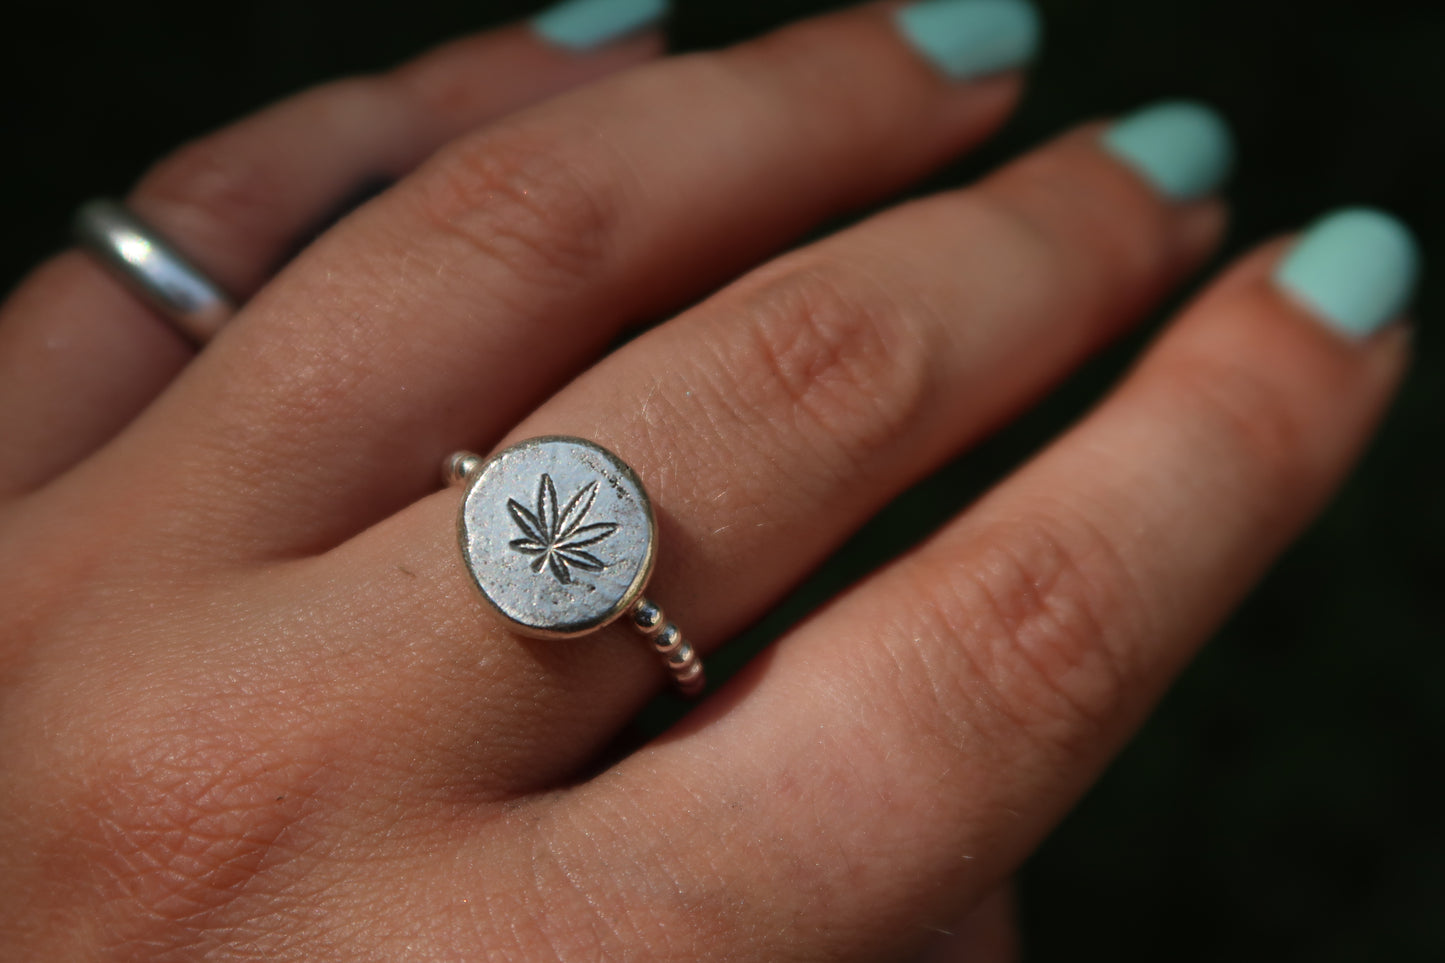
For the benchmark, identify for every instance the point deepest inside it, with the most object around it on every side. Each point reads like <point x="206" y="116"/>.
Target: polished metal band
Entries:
<point x="154" y="269"/>
<point x="677" y="653"/>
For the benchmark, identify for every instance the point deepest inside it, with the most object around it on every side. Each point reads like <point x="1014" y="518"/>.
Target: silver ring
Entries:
<point x="560" y="538"/>
<point x="153" y="268"/>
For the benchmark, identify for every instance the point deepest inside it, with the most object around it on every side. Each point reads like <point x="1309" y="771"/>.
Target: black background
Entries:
<point x="1286" y="801"/>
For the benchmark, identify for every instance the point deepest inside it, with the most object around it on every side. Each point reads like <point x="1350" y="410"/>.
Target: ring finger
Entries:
<point x="79" y="355"/>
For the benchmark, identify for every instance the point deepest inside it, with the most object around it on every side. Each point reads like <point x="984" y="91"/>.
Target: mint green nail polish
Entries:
<point x="1183" y="149"/>
<point x="586" y="24"/>
<point x="1355" y="269"/>
<point x="972" y="38"/>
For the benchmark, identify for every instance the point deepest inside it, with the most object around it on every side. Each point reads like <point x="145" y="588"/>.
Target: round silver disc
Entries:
<point x="559" y="535"/>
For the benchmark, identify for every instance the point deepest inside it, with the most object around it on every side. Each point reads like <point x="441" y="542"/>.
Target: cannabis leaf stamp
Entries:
<point x="559" y="539"/>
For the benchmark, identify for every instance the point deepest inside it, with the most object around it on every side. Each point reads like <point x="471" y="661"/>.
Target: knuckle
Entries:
<point x="829" y="354"/>
<point x="1247" y="420"/>
<point x="1103" y="245"/>
<point x="521" y="199"/>
<point x="209" y="189"/>
<point x="1033" y="616"/>
<point x="1020" y="236"/>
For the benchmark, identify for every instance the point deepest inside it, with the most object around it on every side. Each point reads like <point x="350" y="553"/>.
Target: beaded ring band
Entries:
<point x="560" y="538"/>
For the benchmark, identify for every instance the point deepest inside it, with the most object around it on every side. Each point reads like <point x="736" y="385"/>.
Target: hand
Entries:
<point x="252" y="704"/>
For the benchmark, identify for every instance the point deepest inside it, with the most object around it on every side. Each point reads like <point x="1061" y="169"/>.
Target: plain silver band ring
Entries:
<point x="154" y="269"/>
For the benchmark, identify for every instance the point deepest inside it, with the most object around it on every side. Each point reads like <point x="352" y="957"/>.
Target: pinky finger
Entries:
<point x="80" y="356"/>
<point x="895" y="758"/>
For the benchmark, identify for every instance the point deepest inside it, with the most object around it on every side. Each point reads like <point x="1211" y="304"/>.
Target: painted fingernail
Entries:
<point x="1182" y="148"/>
<point x="972" y="38"/>
<point x="1355" y="270"/>
<point x="587" y="24"/>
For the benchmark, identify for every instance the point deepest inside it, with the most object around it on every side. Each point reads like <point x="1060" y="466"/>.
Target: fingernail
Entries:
<point x="972" y="38"/>
<point x="1355" y="270"/>
<point x="1183" y="149"/>
<point x="587" y="24"/>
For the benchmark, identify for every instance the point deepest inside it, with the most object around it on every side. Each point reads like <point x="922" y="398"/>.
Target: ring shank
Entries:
<point x="154" y="269"/>
<point x="677" y="653"/>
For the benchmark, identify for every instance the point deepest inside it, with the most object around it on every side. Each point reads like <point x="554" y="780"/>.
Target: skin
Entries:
<point x="251" y="706"/>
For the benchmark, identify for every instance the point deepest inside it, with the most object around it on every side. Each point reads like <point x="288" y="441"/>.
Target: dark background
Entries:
<point x="1286" y="801"/>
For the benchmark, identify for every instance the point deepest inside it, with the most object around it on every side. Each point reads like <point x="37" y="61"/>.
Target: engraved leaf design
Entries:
<point x="557" y="539"/>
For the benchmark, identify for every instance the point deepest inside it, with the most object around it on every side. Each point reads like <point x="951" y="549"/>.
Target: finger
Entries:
<point x="933" y="724"/>
<point x="80" y="356"/>
<point x="452" y="306"/>
<point x="987" y="934"/>
<point x="777" y="418"/>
